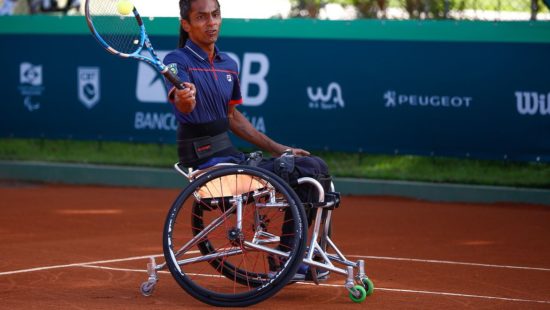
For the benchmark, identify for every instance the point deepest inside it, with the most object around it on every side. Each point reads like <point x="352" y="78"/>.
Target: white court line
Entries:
<point x="358" y="256"/>
<point x="449" y="262"/>
<point x="118" y="269"/>
<point x="442" y="293"/>
<point x="142" y="271"/>
<point x="116" y="260"/>
<point x="376" y="289"/>
<point x="77" y="264"/>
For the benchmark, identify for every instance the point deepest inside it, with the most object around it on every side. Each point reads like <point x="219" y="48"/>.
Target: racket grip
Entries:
<point x="174" y="79"/>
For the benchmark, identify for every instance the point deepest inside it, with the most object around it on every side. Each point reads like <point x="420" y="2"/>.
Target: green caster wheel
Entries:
<point x="368" y="285"/>
<point x="362" y="294"/>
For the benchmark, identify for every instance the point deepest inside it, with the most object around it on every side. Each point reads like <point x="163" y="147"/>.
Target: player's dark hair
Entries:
<point x="185" y="8"/>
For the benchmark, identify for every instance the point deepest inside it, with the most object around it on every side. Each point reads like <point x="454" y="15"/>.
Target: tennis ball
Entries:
<point x="124" y="7"/>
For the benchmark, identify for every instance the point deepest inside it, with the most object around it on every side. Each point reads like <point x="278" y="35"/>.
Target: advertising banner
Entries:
<point x="466" y="99"/>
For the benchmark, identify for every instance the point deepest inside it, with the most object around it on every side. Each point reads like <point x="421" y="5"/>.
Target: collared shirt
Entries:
<point x="216" y="81"/>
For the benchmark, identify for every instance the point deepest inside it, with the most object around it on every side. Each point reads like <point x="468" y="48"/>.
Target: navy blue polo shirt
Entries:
<point x="216" y="81"/>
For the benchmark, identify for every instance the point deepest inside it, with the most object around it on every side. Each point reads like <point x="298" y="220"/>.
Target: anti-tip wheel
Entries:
<point x="362" y="294"/>
<point x="368" y="285"/>
<point x="147" y="288"/>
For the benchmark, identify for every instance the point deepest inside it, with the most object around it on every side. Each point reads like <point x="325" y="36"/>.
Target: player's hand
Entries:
<point x="184" y="99"/>
<point x="293" y="151"/>
<point x="299" y="152"/>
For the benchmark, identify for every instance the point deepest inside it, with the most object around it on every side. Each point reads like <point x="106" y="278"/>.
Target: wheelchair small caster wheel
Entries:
<point x="147" y="288"/>
<point x="360" y="292"/>
<point x="368" y="285"/>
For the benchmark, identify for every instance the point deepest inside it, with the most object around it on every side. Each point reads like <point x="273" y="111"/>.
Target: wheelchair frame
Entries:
<point x="317" y="255"/>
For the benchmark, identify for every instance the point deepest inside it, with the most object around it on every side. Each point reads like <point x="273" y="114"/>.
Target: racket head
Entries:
<point x="121" y="35"/>
<point x="124" y="36"/>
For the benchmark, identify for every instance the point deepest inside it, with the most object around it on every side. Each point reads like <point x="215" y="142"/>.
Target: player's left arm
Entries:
<point x="241" y="127"/>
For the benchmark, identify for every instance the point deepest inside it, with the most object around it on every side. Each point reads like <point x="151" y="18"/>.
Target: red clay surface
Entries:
<point x="420" y="255"/>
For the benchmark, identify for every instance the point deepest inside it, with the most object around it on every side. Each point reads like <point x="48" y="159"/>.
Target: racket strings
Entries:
<point x="121" y="33"/>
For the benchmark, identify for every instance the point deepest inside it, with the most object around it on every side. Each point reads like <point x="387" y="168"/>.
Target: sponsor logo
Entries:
<point x="155" y="121"/>
<point x="254" y="79"/>
<point x="392" y="100"/>
<point x="30" y="84"/>
<point x="532" y="103"/>
<point x="30" y="74"/>
<point x="30" y="105"/>
<point x="88" y="86"/>
<point x="331" y="99"/>
<point x="173" y="68"/>
<point x="254" y="87"/>
<point x="168" y="121"/>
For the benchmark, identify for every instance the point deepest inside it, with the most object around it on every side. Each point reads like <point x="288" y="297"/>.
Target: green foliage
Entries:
<point x="370" y="8"/>
<point x="306" y="8"/>
<point x="433" y="9"/>
<point x="412" y="168"/>
<point x="439" y="169"/>
<point x="417" y="9"/>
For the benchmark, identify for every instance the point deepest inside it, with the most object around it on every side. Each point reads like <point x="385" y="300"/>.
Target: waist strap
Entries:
<point x="192" y="150"/>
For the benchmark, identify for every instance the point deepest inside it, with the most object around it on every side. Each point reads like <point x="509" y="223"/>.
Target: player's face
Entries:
<point x="204" y="22"/>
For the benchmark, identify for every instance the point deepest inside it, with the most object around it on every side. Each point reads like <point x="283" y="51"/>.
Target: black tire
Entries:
<point x="247" y="276"/>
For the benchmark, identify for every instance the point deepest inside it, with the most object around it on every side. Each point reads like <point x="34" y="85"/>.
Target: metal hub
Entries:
<point x="234" y="235"/>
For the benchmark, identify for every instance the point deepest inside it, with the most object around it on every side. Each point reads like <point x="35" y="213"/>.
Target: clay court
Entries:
<point x="75" y="247"/>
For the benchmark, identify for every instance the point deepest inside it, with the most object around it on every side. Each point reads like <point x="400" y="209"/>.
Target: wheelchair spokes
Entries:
<point x="233" y="235"/>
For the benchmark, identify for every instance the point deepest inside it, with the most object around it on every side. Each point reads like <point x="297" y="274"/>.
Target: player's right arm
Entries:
<point x="182" y="99"/>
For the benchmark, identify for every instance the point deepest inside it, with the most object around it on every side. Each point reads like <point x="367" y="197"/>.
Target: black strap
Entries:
<point x="192" y="150"/>
<point x="283" y="166"/>
<point x="254" y="158"/>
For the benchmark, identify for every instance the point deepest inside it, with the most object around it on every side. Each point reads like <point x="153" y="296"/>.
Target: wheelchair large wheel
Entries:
<point x="230" y="271"/>
<point x="235" y="236"/>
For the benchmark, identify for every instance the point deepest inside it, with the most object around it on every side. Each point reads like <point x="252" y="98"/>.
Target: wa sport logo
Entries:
<point x="88" y="86"/>
<point x="326" y="100"/>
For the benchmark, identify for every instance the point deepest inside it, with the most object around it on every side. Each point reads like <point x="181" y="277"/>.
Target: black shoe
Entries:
<point x="304" y="274"/>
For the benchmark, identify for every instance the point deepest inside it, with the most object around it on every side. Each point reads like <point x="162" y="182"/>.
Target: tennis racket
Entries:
<point x="124" y="35"/>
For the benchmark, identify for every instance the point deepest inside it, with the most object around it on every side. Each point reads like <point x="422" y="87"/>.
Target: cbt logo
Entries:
<point x="331" y="99"/>
<point x="88" y="86"/>
<point x="532" y="103"/>
<point x="254" y="70"/>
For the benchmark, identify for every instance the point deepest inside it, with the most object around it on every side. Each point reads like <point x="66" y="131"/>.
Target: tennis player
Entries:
<point x="206" y="109"/>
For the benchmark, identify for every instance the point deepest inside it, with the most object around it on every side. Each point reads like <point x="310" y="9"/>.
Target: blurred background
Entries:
<point x="489" y="10"/>
<point x="452" y="91"/>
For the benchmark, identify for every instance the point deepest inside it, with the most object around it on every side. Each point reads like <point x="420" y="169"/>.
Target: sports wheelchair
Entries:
<point x="238" y="234"/>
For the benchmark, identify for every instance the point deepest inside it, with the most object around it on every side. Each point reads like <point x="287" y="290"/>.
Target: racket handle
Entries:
<point x="174" y="79"/>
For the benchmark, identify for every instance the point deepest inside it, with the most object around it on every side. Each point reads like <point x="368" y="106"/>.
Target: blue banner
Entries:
<point x="465" y="99"/>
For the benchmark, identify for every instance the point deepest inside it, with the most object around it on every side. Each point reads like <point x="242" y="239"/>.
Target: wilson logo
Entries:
<point x="532" y="103"/>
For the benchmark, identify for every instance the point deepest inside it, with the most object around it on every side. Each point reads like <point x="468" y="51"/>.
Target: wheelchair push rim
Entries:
<point x="235" y="236"/>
